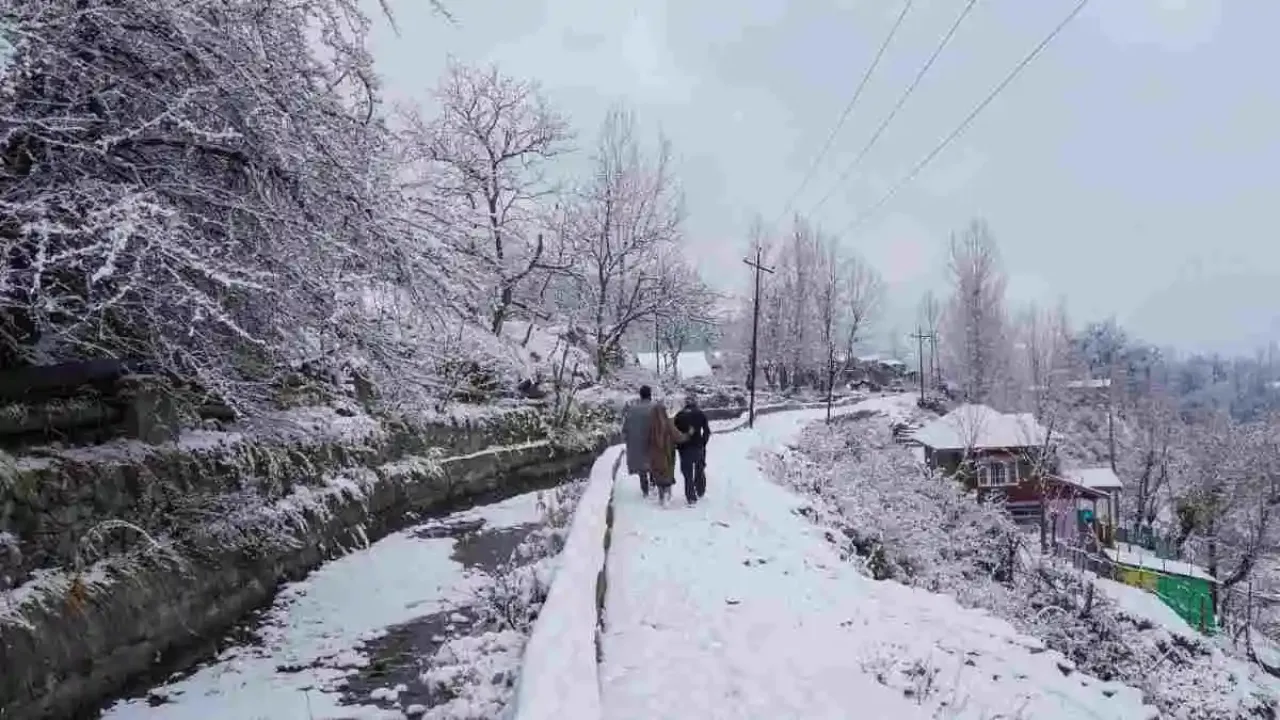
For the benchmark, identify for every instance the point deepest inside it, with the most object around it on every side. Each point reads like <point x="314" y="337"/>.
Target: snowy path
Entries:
<point x="739" y="608"/>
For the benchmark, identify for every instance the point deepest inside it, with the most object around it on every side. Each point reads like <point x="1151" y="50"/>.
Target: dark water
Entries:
<point x="401" y="656"/>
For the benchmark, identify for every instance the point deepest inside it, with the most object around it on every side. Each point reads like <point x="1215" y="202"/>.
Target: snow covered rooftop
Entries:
<point x="1098" y="478"/>
<point x="980" y="427"/>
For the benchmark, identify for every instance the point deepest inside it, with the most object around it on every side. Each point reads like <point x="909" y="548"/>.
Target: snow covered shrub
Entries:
<point x="235" y="522"/>
<point x="907" y="523"/>
<point x="475" y="675"/>
<point x="478" y="673"/>
<point x="913" y="527"/>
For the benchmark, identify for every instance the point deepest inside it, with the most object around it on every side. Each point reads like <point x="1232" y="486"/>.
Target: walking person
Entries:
<point x="693" y="451"/>
<point x="635" y="436"/>
<point x="663" y="439"/>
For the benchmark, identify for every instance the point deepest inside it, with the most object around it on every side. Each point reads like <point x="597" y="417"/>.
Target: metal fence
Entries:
<point x="1162" y="546"/>
<point x="1191" y="598"/>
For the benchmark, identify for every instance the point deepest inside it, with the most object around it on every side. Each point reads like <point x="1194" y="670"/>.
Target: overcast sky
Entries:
<point x="1133" y="168"/>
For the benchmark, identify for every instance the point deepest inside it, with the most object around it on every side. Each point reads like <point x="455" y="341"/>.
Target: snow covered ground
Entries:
<point x="318" y="634"/>
<point x="689" y="365"/>
<point x="740" y="608"/>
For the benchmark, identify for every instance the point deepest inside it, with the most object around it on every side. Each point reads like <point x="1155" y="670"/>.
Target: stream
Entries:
<point x="354" y="638"/>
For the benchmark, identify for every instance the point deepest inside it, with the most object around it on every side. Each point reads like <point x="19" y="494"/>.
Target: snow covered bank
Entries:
<point x="741" y="608"/>
<point x="559" y="679"/>
<point x="894" y="520"/>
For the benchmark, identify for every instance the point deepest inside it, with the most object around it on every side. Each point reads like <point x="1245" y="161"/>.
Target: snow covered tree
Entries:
<point x="1042" y="363"/>
<point x="488" y="153"/>
<point x="690" y="322"/>
<point x="624" y="227"/>
<point x="1102" y="347"/>
<point x="1155" y="462"/>
<point x="929" y="316"/>
<point x="817" y="305"/>
<point x="205" y="185"/>
<point x="1228" y="509"/>
<point x="975" y="328"/>
<point x="862" y="300"/>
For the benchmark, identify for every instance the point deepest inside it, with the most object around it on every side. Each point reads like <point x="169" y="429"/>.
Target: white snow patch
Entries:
<point x="1143" y="605"/>
<point x="476" y="670"/>
<point x="1136" y="556"/>
<point x="514" y="511"/>
<point x="978" y="426"/>
<point x="1099" y="478"/>
<point x="688" y="364"/>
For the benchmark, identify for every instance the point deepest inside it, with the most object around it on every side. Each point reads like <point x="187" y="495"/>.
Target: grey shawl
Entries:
<point x="636" y="419"/>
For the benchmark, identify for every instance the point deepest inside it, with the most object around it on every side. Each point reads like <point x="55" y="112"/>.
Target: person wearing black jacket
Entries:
<point x="693" y="452"/>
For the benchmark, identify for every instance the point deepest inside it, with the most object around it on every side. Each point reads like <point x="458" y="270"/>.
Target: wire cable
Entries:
<point x="844" y="115"/>
<point x="915" y="83"/>
<point x="860" y="219"/>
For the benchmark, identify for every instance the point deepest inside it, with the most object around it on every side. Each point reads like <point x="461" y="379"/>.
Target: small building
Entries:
<point x="1084" y="505"/>
<point x="1105" y="487"/>
<point x="990" y="451"/>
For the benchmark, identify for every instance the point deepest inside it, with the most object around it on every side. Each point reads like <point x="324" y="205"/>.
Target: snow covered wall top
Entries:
<point x="559" y="678"/>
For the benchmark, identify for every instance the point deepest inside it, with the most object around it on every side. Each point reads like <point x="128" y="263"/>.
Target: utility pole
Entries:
<point x="920" y="335"/>
<point x="759" y="267"/>
<point x="831" y="378"/>
<point x="934" y="367"/>
<point x="657" y="348"/>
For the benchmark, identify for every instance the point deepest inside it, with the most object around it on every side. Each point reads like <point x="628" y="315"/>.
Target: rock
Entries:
<point x="150" y="411"/>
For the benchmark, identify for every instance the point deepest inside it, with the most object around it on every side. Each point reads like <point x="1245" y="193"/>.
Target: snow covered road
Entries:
<point x="740" y="608"/>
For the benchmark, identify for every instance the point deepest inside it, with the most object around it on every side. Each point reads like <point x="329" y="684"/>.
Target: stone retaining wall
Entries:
<point x="52" y="501"/>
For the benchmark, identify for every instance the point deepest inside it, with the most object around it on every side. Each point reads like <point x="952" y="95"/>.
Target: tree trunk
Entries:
<point x="504" y="306"/>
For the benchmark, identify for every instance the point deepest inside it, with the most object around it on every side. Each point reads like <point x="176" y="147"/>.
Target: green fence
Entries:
<point x="1190" y="597"/>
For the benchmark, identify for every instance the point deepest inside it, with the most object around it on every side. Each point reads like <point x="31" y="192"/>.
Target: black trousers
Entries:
<point x="693" y="466"/>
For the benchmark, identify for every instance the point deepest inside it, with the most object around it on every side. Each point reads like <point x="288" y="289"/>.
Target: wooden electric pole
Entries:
<point x="920" y="335"/>
<point x="934" y="368"/>
<point x="657" y="348"/>
<point x="759" y="267"/>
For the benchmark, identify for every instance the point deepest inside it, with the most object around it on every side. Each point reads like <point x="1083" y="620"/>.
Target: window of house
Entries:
<point x="997" y="474"/>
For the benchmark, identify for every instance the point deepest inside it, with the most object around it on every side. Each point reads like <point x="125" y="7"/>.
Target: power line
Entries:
<point x="860" y="219"/>
<point x="924" y="70"/>
<point x="844" y="115"/>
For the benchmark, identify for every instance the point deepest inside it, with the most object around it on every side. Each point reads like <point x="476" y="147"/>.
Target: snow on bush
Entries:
<point x="213" y="228"/>
<point x="901" y="522"/>
<point x="476" y="675"/>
